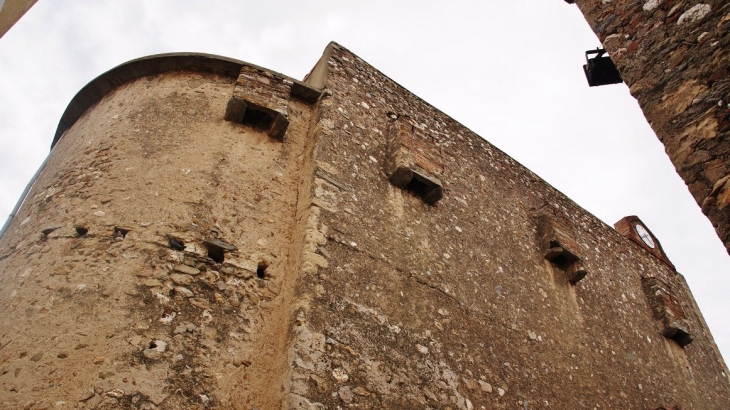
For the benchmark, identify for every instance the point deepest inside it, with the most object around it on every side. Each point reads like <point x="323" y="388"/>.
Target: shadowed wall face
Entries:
<point x="674" y="56"/>
<point x="502" y="293"/>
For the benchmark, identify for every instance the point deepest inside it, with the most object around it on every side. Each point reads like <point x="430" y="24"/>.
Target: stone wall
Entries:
<point x="454" y="305"/>
<point x="211" y="234"/>
<point x="150" y="265"/>
<point x="674" y="56"/>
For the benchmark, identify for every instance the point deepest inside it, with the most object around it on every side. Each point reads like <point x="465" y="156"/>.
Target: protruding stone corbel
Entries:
<point x="260" y="99"/>
<point x="413" y="162"/>
<point x="305" y="93"/>
<point x="559" y="247"/>
<point x="575" y="272"/>
<point x="667" y="310"/>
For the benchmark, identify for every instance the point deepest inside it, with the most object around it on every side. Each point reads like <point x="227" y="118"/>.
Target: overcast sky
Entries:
<point x="509" y="70"/>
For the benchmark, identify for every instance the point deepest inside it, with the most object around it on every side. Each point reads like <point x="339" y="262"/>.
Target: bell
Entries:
<point x="600" y="70"/>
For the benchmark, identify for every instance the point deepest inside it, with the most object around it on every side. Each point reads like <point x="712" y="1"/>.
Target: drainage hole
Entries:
<point x="120" y="232"/>
<point x="82" y="230"/>
<point x="216" y="253"/>
<point x="176" y="244"/>
<point x="261" y="270"/>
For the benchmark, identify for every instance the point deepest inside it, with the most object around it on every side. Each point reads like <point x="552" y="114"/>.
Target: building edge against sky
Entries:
<point x="11" y="11"/>
<point x="208" y="232"/>
<point x="673" y="56"/>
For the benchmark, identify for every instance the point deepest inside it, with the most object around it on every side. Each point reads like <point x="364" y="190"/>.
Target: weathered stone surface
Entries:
<point x="413" y="162"/>
<point x="185" y="291"/>
<point x="181" y="279"/>
<point x="185" y="269"/>
<point x="415" y="299"/>
<point x="162" y="159"/>
<point x="662" y="297"/>
<point x="325" y="285"/>
<point x="673" y="56"/>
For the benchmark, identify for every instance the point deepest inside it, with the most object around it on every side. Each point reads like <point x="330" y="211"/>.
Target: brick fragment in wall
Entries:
<point x="673" y="57"/>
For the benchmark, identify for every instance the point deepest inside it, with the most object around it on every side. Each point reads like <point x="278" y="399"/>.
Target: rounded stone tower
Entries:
<point x="149" y="262"/>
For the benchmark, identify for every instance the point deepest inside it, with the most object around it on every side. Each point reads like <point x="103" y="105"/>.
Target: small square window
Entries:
<point x="261" y="118"/>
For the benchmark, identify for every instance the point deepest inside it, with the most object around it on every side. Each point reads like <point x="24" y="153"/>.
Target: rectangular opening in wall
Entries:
<point x="120" y="233"/>
<point x="272" y="121"/>
<point x="560" y="255"/>
<point x="681" y="337"/>
<point x="417" y="186"/>
<point x="217" y="249"/>
<point x="257" y="119"/>
<point x="568" y="263"/>
<point x="427" y="189"/>
<point x="216" y="253"/>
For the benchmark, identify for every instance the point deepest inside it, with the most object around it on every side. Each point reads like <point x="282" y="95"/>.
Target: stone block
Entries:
<point x="235" y="109"/>
<point x="305" y="93"/>
<point x="278" y="125"/>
